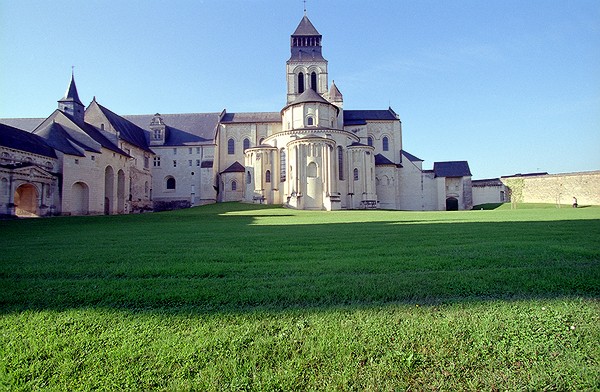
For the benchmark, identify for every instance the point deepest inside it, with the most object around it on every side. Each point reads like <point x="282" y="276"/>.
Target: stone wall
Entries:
<point x="555" y="188"/>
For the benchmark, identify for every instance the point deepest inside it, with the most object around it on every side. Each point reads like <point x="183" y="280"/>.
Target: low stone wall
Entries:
<point x="555" y="188"/>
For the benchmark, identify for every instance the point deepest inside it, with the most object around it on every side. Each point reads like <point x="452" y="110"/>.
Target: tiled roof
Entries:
<point x="306" y="28"/>
<point x="257" y="117"/>
<point x="127" y="130"/>
<point x="410" y="157"/>
<point x="451" y="169"/>
<point x="184" y="128"/>
<point x="381" y="160"/>
<point x="360" y="117"/>
<point x="26" y="124"/>
<point x="22" y="140"/>
<point x="487" y="182"/>
<point x="236" y="167"/>
<point x="71" y="93"/>
<point x="56" y="136"/>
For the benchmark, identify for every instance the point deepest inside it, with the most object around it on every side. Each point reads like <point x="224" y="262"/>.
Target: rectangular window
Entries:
<point x="174" y="151"/>
<point x="190" y="162"/>
<point x="146" y="162"/>
<point x="197" y="150"/>
<point x="174" y="163"/>
<point x="198" y="162"/>
<point x="77" y="161"/>
<point x="190" y="150"/>
<point x="93" y="158"/>
<point x="157" y="161"/>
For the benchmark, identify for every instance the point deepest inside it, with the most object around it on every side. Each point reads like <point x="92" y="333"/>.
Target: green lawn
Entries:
<point x="249" y="297"/>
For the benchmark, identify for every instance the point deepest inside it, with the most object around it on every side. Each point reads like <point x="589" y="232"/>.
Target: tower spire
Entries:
<point x="304" y="7"/>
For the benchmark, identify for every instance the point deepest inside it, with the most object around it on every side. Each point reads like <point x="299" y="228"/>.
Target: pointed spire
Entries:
<point x="71" y="93"/>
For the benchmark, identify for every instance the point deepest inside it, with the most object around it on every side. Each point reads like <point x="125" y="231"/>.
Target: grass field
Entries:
<point x="249" y="297"/>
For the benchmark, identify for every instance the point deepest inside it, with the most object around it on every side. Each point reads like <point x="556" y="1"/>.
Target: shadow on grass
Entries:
<point x="215" y="260"/>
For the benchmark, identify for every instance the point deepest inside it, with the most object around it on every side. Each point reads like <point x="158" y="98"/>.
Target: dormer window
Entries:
<point x="157" y="134"/>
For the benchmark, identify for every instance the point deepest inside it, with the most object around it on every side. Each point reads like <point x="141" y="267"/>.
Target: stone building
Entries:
<point x="311" y="154"/>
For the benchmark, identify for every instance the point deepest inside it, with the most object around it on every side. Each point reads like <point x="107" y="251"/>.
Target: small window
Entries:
<point x="268" y="176"/>
<point x="174" y="151"/>
<point x="230" y="146"/>
<point x="170" y="183"/>
<point x="77" y="161"/>
<point x="310" y="121"/>
<point x="370" y="141"/>
<point x="300" y="83"/>
<point x="93" y="158"/>
<point x="386" y="143"/>
<point x="197" y="150"/>
<point x="146" y="161"/>
<point x="355" y="174"/>
<point x="248" y="178"/>
<point x="174" y="163"/>
<point x="246" y="144"/>
<point x="261" y="140"/>
<point x="233" y="185"/>
<point x="156" y="161"/>
<point x="313" y="81"/>
<point x="190" y="163"/>
<point x="198" y="162"/>
<point x="190" y="150"/>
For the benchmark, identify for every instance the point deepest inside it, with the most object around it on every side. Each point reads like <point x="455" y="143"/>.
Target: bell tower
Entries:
<point x="306" y="67"/>
<point x="70" y="103"/>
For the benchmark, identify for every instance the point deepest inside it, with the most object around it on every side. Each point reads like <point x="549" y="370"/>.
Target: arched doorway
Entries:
<point x="109" y="185"/>
<point x="80" y="199"/>
<point x="451" y="204"/>
<point x="26" y="204"/>
<point x="121" y="192"/>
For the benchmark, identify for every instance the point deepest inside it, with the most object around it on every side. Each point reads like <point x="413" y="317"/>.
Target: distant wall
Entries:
<point x="555" y="188"/>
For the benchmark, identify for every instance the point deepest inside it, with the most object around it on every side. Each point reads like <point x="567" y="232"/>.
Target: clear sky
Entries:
<point x="509" y="85"/>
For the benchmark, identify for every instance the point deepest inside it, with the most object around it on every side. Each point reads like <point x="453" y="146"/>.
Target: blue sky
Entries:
<point x="510" y="86"/>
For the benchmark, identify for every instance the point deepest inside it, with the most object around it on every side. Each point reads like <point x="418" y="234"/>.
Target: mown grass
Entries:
<point x="238" y="297"/>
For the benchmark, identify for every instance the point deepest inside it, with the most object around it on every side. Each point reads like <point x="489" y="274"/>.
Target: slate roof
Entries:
<point x="19" y="139"/>
<point x="58" y="138"/>
<point x="26" y="124"/>
<point x="257" y="117"/>
<point x="71" y="93"/>
<point x="381" y="160"/>
<point x="451" y="169"/>
<point x="236" y="167"/>
<point x="184" y="128"/>
<point x="128" y="131"/>
<point x="306" y="28"/>
<point x="410" y="157"/>
<point x="360" y="117"/>
<point x="95" y="134"/>
<point x="487" y="182"/>
<point x="334" y="92"/>
<point x="309" y="95"/>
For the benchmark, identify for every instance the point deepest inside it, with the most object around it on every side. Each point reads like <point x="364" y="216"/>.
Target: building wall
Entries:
<point x="556" y="188"/>
<point x="489" y="194"/>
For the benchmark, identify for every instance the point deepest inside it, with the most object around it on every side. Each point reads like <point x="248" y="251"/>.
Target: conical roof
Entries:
<point x="71" y="93"/>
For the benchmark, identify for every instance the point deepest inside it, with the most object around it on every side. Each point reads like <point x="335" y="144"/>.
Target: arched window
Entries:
<point x="370" y="141"/>
<point x="248" y="178"/>
<point x="386" y="143"/>
<point x="268" y="176"/>
<point x="261" y="140"/>
<point x="4" y="187"/>
<point x="246" y="144"/>
<point x="282" y="165"/>
<point x="310" y="121"/>
<point x="170" y="183"/>
<point x="313" y="81"/>
<point x="355" y="174"/>
<point x="300" y="83"/>
<point x="340" y="163"/>
<point x="311" y="170"/>
<point x="230" y="146"/>
<point x="234" y="185"/>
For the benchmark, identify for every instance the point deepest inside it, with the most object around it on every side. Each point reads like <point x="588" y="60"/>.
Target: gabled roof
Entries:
<point x="236" y="167"/>
<point x="451" y="169"/>
<point x="26" y="124"/>
<point x="71" y="93"/>
<point x="410" y="157"/>
<point x="258" y="117"/>
<point x="127" y="130"/>
<point x="93" y="133"/>
<point x="56" y="137"/>
<point x="22" y="140"/>
<point x="183" y="128"/>
<point x="306" y="28"/>
<point x="360" y="117"/>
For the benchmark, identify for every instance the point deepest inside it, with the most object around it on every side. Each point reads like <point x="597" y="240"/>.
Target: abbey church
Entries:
<point x="312" y="154"/>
